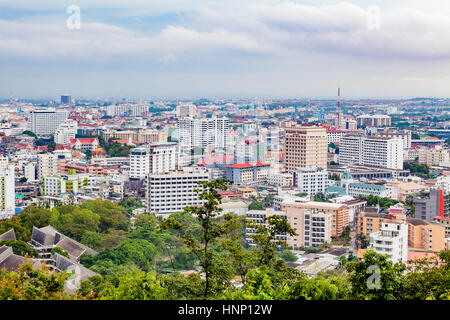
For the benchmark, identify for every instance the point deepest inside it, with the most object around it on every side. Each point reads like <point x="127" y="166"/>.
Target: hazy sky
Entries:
<point x="225" y="48"/>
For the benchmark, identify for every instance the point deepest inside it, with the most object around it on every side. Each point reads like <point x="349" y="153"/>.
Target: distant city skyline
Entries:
<point x="195" y="49"/>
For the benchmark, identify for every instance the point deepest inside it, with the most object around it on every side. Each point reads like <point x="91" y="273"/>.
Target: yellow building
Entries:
<point x="305" y="147"/>
<point x="338" y="212"/>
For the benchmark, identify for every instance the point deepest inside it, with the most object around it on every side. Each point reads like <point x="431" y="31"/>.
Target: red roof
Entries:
<point x="83" y="140"/>
<point x="442" y="218"/>
<point x="62" y="147"/>
<point x="248" y="165"/>
<point x="85" y="125"/>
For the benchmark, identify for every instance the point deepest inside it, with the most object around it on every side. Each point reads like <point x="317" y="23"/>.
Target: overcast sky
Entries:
<point x="225" y="48"/>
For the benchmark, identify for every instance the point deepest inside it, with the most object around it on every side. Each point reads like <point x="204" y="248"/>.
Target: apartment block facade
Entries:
<point x="7" y="192"/>
<point x="338" y="213"/>
<point x="45" y="122"/>
<point x="305" y="146"/>
<point x="384" y="152"/>
<point x="172" y="192"/>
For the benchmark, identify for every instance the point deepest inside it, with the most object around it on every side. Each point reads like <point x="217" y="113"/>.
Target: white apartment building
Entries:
<point x="410" y="154"/>
<point x="156" y="158"/>
<point x="443" y="182"/>
<point x="7" y="192"/>
<point x="29" y="171"/>
<point x="372" y="151"/>
<point x="405" y="135"/>
<point x="4" y="161"/>
<point x="203" y="133"/>
<point x="45" y="122"/>
<point x="280" y="179"/>
<point x="66" y="183"/>
<point x="47" y="165"/>
<point x="392" y="239"/>
<point x="134" y="110"/>
<point x="172" y="192"/>
<point x="334" y="135"/>
<point x="139" y="163"/>
<point x="311" y="180"/>
<point x="66" y="131"/>
<point x="434" y="156"/>
<point x="186" y="110"/>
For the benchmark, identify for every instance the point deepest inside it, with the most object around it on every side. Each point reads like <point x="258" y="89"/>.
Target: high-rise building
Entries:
<point x="127" y="109"/>
<point x="203" y="133"/>
<point x="435" y="204"/>
<point x="172" y="192"/>
<point x="66" y="131"/>
<point x="47" y="165"/>
<point x="305" y="147"/>
<point x="45" y="122"/>
<point x="186" y="110"/>
<point x="65" y="99"/>
<point x="155" y="158"/>
<point x="377" y="120"/>
<point x="250" y="150"/>
<point x="372" y="151"/>
<point x="7" y="192"/>
<point x="405" y="135"/>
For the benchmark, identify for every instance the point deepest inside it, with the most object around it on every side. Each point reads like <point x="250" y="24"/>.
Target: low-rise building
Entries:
<point x="311" y="180"/>
<point x="338" y="213"/>
<point x="392" y="240"/>
<point x="247" y="173"/>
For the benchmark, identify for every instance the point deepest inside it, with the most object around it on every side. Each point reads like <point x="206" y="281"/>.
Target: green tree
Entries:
<point x="212" y="265"/>
<point x="136" y="285"/>
<point x="268" y="200"/>
<point x="427" y="279"/>
<point x="29" y="284"/>
<point x="20" y="248"/>
<point x="288" y="256"/>
<point x="267" y="238"/>
<point x="22" y="233"/>
<point x="112" y="215"/>
<point x="92" y="239"/>
<point x="29" y="133"/>
<point x="256" y="205"/>
<point x="60" y="251"/>
<point x="363" y="276"/>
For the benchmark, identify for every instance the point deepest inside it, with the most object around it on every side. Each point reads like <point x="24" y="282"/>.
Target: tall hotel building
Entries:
<point x="305" y="147"/>
<point x="156" y="158"/>
<point x="203" y="133"/>
<point x="45" y="122"/>
<point x="384" y="152"/>
<point x="172" y="192"/>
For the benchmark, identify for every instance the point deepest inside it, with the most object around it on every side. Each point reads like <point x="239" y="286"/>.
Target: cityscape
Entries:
<point x="234" y="193"/>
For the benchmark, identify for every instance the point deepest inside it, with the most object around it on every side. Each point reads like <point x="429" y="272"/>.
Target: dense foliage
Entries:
<point x="146" y="259"/>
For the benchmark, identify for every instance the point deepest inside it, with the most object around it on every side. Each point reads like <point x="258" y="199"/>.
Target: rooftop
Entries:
<point x="248" y="165"/>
